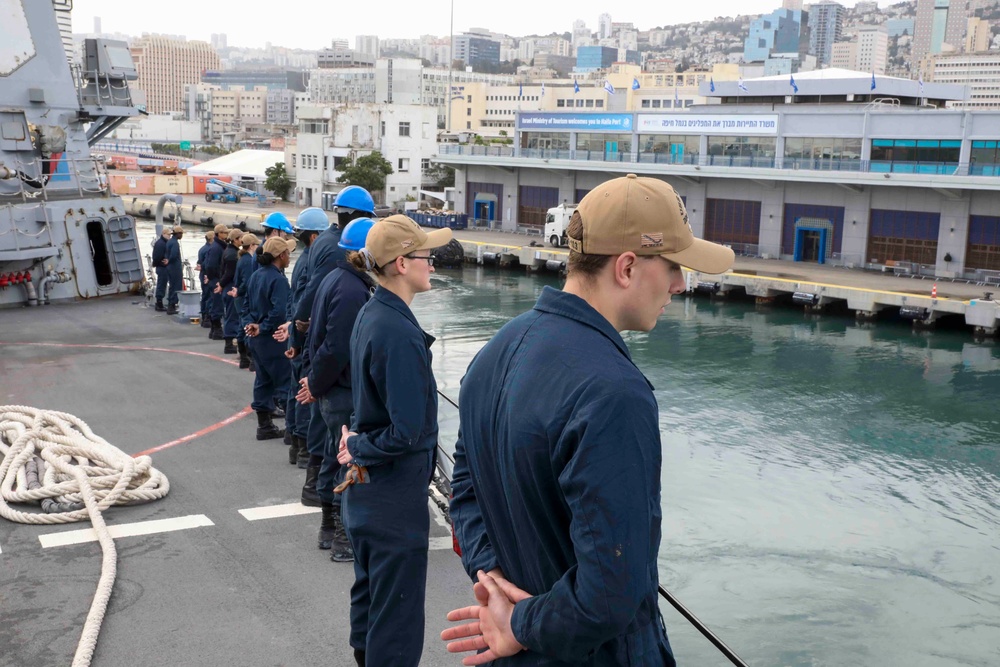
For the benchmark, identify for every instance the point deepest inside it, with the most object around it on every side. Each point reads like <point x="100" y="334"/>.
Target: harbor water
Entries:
<point x="831" y="493"/>
<point x="831" y="490"/>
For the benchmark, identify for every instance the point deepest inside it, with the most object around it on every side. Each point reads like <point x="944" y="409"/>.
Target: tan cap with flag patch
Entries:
<point x="645" y="216"/>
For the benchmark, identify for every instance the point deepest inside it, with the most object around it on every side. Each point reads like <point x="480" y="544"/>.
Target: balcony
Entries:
<point x="696" y="162"/>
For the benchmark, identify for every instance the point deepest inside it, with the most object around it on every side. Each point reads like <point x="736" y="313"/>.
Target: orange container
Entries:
<point x="198" y="183"/>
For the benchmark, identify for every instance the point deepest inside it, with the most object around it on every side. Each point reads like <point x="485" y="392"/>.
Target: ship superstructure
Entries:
<point x="63" y="234"/>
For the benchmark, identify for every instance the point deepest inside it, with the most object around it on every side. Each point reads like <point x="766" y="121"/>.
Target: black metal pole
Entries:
<point x="703" y="629"/>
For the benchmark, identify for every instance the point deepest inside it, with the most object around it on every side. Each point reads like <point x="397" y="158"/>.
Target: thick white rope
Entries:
<point x="80" y="468"/>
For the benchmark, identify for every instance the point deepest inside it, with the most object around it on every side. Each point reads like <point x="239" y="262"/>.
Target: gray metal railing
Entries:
<point x="736" y="161"/>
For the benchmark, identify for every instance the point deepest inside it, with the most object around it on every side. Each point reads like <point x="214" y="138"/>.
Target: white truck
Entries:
<point x="556" y="221"/>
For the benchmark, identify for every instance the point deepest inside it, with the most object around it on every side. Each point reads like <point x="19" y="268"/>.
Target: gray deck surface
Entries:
<point x="236" y="593"/>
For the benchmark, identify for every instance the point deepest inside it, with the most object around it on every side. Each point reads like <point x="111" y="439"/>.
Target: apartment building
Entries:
<point x="166" y="65"/>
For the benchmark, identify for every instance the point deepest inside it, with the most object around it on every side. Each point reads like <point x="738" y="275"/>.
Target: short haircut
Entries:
<point x="587" y="266"/>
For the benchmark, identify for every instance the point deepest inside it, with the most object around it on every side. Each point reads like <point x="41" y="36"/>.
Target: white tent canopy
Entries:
<point x="245" y="165"/>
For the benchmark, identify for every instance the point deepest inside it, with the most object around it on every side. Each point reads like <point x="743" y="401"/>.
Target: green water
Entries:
<point x="831" y="493"/>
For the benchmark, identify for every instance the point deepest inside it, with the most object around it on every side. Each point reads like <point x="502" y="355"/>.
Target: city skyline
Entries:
<point x="306" y="23"/>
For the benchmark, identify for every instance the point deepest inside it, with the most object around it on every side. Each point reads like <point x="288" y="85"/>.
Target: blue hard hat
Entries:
<point x="355" y="234"/>
<point x="312" y="220"/>
<point x="355" y="197"/>
<point x="278" y="221"/>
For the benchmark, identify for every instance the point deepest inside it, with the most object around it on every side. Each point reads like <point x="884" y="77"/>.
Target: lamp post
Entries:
<point x="451" y="61"/>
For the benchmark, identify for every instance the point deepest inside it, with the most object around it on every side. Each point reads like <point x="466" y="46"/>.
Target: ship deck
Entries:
<point x="210" y="587"/>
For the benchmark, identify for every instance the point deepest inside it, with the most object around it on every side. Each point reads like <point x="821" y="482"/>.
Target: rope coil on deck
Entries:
<point x="54" y="460"/>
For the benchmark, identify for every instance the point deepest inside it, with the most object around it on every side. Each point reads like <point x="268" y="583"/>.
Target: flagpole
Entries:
<point x="451" y="61"/>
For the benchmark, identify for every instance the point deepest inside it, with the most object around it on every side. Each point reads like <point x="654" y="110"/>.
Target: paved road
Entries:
<point x="235" y="592"/>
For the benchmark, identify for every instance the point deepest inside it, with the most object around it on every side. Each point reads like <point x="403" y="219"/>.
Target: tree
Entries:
<point x="441" y="175"/>
<point x="277" y="180"/>
<point x="368" y="171"/>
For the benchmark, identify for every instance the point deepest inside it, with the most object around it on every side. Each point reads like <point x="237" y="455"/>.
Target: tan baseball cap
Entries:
<point x="235" y="234"/>
<point x="645" y="216"/>
<point x="248" y="240"/>
<point x="274" y="246"/>
<point x="209" y="235"/>
<point x="178" y="229"/>
<point x="221" y="229"/>
<point x="399" y="235"/>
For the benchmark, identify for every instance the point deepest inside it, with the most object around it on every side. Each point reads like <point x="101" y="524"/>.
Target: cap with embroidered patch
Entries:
<point x="221" y="229"/>
<point x="399" y="235"/>
<point x="248" y="240"/>
<point x="645" y="216"/>
<point x="275" y="245"/>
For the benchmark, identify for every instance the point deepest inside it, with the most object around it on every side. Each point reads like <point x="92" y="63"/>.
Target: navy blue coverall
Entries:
<point x="244" y="269"/>
<point x="231" y="318"/>
<point x="324" y="255"/>
<point x="338" y="300"/>
<point x="387" y="521"/>
<point x="175" y="270"/>
<point x="297" y="416"/>
<point x="213" y="271"/>
<point x="268" y="297"/>
<point x="160" y="254"/>
<point x="557" y="482"/>
<point x="205" y="292"/>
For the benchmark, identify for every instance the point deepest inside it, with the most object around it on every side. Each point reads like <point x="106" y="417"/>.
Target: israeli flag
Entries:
<point x="543" y="90"/>
<point x="791" y="82"/>
<point x="576" y="87"/>
<point x="520" y="90"/>
<point x="873" y="79"/>
<point x="608" y="87"/>
<point x="635" y="83"/>
<point x="920" y="82"/>
<point x="742" y="86"/>
<point x="711" y="85"/>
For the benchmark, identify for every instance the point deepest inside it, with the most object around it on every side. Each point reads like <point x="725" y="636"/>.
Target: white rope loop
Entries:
<point x="79" y="467"/>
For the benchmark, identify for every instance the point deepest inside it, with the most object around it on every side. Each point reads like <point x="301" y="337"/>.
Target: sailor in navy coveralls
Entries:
<point x="390" y="448"/>
<point x="556" y="485"/>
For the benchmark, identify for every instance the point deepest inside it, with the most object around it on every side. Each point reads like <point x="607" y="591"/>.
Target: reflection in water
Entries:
<point x="831" y="493"/>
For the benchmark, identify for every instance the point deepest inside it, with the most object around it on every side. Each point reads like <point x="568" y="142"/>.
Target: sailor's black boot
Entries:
<point x="278" y="412"/>
<point x="172" y="309"/>
<point x="241" y="347"/>
<point x="159" y="306"/>
<point x="293" y="448"/>
<point x="359" y="657"/>
<point x="206" y="321"/>
<point x="266" y="430"/>
<point x="340" y="548"/>
<point x="327" y="526"/>
<point x="302" y="456"/>
<point x="216" y="333"/>
<point x="230" y="346"/>
<point x="310" y="496"/>
<point x="253" y="366"/>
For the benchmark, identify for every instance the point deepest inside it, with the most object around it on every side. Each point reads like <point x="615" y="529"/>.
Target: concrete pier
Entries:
<point x="816" y="287"/>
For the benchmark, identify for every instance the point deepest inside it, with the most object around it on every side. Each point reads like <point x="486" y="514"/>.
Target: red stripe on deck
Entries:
<point x="131" y="348"/>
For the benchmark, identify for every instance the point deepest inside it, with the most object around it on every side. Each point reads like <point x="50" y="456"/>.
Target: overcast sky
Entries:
<point x="310" y="24"/>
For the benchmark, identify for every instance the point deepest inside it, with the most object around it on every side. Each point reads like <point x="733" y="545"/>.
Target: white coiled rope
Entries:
<point x="81" y="476"/>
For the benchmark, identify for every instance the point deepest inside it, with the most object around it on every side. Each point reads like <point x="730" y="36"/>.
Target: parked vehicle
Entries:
<point x="556" y="221"/>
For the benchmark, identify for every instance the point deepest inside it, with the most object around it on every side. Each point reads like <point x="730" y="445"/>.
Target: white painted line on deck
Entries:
<point x="126" y="530"/>
<point x="277" y="511"/>
<point x="440" y="544"/>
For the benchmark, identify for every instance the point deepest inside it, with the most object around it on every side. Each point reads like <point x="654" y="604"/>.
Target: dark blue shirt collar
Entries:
<point x="569" y="305"/>
<point x="360" y="275"/>
<point x="390" y="299"/>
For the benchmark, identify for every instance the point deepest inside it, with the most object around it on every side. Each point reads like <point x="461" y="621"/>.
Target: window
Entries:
<point x="293" y="160"/>
<point x="404" y="164"/>
<point x="560" y="103"/>
<point x="392" y="188"/>
<point x="600" y="104"/>
<point x="468" y="124"/>
<point x="579" y="104"/>
<point x="404" y="129"/>
<point x="590" y="104"/>
<point x="656" y="104"/>
<point x="425" y="164"/>
<point x="468" y="112"/>
<point x="382" y="129"/>
<point x="645" y="104"/>
<point x="470" y="99"/>
<point x="912" y="156"/>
